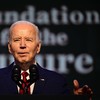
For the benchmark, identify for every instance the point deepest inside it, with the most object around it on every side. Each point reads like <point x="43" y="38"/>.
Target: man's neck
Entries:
<point x="24" y="66"/>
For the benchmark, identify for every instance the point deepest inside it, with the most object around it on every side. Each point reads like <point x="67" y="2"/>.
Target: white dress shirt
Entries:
<point x="32" y="85"/>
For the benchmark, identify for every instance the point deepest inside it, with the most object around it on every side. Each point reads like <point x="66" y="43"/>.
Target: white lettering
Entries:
<point x="83" y="63"/>
<point x="55" y="16"/>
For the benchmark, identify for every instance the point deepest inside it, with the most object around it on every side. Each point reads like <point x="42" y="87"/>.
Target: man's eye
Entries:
<point x="16" y="40"/>
<point x="28" y="39"/>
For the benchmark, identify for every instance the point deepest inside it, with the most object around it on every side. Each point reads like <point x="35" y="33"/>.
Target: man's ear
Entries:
<point x="9" y="48"/>
<point x="39" y="47"/>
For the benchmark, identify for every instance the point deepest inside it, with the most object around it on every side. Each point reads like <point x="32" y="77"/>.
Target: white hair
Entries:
<point x="23" y="22"/>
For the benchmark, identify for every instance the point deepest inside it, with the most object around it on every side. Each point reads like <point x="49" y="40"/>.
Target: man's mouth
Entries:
<point x="23" y="53"/>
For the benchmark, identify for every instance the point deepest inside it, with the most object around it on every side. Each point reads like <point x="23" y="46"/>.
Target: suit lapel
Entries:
<point x="11" y="85"/>
<point x="40" y="83"/>
<point x="39" y="86"/>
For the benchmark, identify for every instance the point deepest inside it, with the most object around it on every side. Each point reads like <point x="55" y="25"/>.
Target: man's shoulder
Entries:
<point x="50" y="73"/>
<point x="6" y="69"/>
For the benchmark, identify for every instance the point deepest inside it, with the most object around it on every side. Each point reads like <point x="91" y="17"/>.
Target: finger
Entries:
<point x="76" y="84"/>
<point x="90" y="91"/>
<point x="87" y="90"/>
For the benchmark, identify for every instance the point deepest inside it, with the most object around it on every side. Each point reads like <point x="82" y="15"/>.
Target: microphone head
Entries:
<point x="34" y="75"/>
<point x="16" y="73"/>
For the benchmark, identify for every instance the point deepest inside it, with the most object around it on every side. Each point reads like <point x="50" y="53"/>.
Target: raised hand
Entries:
<point x="85" y="90"/>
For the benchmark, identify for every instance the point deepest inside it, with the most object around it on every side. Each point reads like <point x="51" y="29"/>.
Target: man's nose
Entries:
<point x="22" y="44"/>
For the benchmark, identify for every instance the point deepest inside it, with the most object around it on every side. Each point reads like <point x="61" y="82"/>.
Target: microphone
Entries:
<point x="34" y="74"/>
<point x="16" y="75"/>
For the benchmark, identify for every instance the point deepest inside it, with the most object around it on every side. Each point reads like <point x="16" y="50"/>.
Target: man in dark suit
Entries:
<point x="24" y="44"/>
<point x="48" y="83"/>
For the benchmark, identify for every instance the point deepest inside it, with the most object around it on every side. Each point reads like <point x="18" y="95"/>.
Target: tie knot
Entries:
<point x="24" y="74"/>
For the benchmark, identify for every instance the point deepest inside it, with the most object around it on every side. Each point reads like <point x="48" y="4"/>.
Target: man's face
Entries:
<point x="24" y="44"/>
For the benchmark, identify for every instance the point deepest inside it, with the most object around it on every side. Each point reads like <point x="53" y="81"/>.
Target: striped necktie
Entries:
<point x="25" y="83"/>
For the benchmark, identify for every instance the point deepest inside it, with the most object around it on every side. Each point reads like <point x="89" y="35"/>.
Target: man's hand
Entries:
<point x="85" y="90"/>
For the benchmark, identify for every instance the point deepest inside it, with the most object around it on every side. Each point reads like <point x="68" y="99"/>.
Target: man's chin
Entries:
<point x="23" y="61"/>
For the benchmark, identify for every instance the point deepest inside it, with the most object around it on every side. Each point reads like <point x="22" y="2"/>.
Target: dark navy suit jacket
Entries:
<point x="49" y="82"/>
